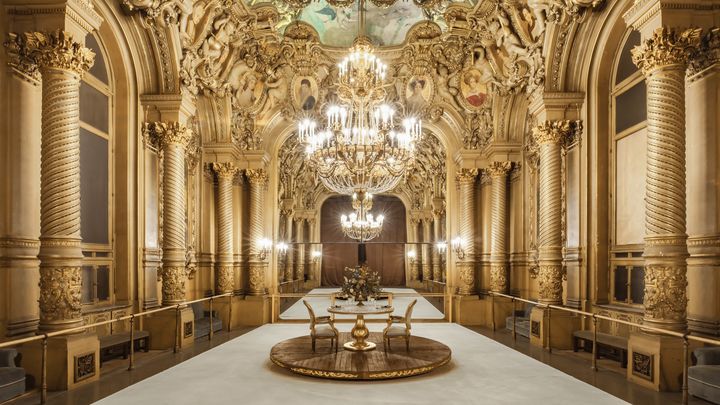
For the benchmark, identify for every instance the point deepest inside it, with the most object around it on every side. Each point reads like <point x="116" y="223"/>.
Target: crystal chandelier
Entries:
<point x="360" y="147"/>
<point x="361" y="225"/>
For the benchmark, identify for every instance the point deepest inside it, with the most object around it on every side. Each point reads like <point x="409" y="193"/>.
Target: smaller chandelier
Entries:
<point x="361" y="225"/>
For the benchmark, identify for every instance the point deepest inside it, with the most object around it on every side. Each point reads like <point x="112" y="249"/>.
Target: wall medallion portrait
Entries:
<point x="305" y="92"/>
<point x="249" y="90"/>
<point x="473" y="89"/>
<point x="418" y="92"/>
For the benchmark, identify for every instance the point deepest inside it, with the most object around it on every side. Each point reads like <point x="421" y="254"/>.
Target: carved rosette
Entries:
<point x="550" y="279"/>
<point x="60" y="296"/>
<point x="498" y="172"/>
<point x="225" y="173"/>
<point x="663" y="59"/>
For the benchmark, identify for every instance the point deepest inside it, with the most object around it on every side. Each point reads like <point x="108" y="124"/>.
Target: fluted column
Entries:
<point x="415" y="264"/>
<point x="465" y="179"/>
<point x="498" y="226"/>
<point x="550" y="135"/>
<point x="663" y="60"/>
<point x="172" y="138"/>
<point x="61" y="62"/>
<point x="299" y="249"/>
<point x="258" y="180"/>
<point x="437" y="236"/>
<point x="425" y="249"/>
<point x="224" y="277"/>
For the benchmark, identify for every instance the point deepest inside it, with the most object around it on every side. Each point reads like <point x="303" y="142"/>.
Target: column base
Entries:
<point x="561" y="324"/>
<point x="655" y="361"/>
<point x="252" y="311"/>
<point x="469" y="310"/>
<point x="161" y="327"/>
<point x="71" y="361"/>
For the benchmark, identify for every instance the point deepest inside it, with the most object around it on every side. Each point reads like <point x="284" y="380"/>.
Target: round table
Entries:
<point x="360" y="331"/>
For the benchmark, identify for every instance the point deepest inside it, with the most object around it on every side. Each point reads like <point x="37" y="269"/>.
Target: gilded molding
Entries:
<point x="666" y="48"/>
<point x="57" y="50"/>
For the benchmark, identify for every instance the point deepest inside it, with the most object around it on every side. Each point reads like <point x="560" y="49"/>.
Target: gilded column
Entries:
<point x="224" y="277"/>
<point x="437" y="269"/>
<point x="61" y="62"/>
<point x="172" y="139"/>
<point x="498" y="226"/>
<point x="425" y="249"/>
<point x="415" y="265"/>
<point x="465" y="179"/>
<point x="288" y="269"/>
<point x="550" y="136"/>
<point x="309" y="265"/>
<point x="299" y="249"/>
<point x="258" y="179"/>
<point x="663" y="60"/>
<point x="20" y="157"/>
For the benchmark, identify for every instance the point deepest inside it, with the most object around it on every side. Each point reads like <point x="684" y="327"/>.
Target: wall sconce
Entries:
<point x="458" y="246"/>
<point x="282" y="247"/>
<point x="315" y="255"/>
<point x="441" y="247"/>
<point x="264" y="246"/>
<point x="411" y="256"/>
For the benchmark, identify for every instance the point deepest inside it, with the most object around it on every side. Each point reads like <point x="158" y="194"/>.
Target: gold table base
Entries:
<point x="360" y="333"/>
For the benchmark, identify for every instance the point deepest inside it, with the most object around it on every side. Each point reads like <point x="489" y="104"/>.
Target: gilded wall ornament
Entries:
<point x="706" y="54"/>
<point x="58" y="50"/>
<point x="165" y="133"/>
<point x="60" y="294"/>
<point x="665" y="293"/>
<point x="173" y="284"/>
<point x="498" y="278"/>
<point x="550" y="278"/>
<point x="19" y="58"/>
<point x="552" y="131"/>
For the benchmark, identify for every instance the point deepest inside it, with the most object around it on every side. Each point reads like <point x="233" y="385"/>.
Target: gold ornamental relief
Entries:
<point x="257" y="176"/>
<point x="57" y="50"/>
<point x="498" y="278"/>
<point x="665" y="292"/>
<point x="163" y="133"/>
<point x="499" y="169"/>
<point x="257" y="279"/>
<point x="224" y="279"/>
<point x="173" y="284"/>
<point x="552" y="131"/>
<point x="666" y="47"/>
<point x="19" y="58"/>
<point x="550" y="278"/>
<point x="60" y="294"/>
<point x="226" y="170"/>
<point x="467" y="278"/>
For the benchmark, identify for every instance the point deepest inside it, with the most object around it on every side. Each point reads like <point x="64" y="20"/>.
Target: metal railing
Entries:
<point x="686" y="336"/>
<point x="43" y="337"/>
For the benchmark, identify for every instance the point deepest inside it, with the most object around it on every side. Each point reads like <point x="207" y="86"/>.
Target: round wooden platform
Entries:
<point x="297" y="356"/>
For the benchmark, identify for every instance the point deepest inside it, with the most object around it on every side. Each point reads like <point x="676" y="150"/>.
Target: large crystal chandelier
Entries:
<point x="361" y="225"/>
<point x="362" y="146"/>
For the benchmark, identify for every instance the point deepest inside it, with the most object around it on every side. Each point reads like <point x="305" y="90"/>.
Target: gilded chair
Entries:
<point x="322" y="327"/>
<point x="399" y="327"/>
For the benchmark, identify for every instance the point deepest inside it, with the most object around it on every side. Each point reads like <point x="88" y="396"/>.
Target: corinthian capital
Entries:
<point x="162" y="133"/>
<point x="19" y="58"/>
<point x="552" y="131"/>
<point x="666" y="47"/>
<point x="498" y="169"/>
<point x="57" y="50"/>
<point x="465" y="176"/>
<point x="707" y="53"/>
<point x="226" y="170"/>
<point x="257" y="176"/>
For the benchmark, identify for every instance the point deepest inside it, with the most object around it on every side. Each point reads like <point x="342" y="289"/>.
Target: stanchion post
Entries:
<point x="229" y="311"/>
<point x="177" y="329"/>
<point x="686" y="355"/>
<point x="492" y="310"/>
<point x="131" y="357"/>
<point x="549" y="312"/>
<point x="595" y="347"/>
<point x="514" y="332"/>
<point x="43" y="373"/>
<point x="210" y="335"/>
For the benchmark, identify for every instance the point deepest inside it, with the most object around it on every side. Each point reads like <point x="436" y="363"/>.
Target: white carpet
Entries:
<point x="423" y="309"/>
<point x="481" y="372"/>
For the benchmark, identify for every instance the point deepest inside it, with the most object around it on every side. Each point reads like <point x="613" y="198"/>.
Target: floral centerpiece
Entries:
<point x="361" y="283"/>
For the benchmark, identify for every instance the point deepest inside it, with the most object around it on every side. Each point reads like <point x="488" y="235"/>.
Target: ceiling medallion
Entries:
<point x="360" y="147"/>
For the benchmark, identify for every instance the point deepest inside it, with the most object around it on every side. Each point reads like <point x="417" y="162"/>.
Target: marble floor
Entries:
<point x="319" y="300"/>
<point x="482" y="371"/>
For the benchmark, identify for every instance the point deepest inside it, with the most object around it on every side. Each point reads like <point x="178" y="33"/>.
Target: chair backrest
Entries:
<point x="312" y="313"/>
<point x="408" y="313"/>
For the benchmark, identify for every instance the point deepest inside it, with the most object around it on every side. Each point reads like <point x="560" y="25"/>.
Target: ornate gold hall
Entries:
<point x="187" y="187"/>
